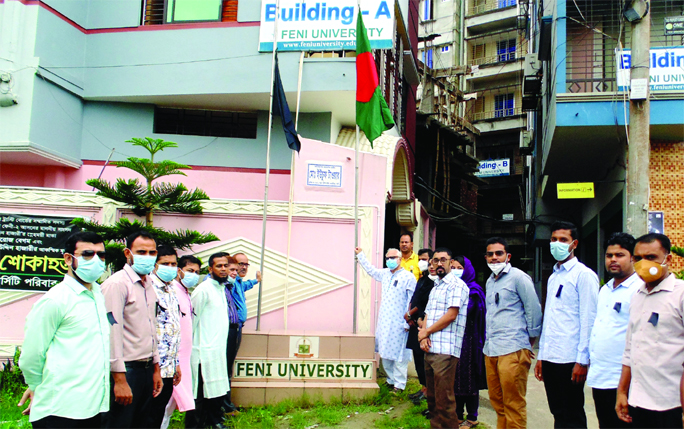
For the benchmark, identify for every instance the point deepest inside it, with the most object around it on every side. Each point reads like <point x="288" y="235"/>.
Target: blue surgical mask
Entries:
<point x="143" y="264"/>
<point x="89" y="270"/>
<point x="190" y="279"/>
<point x="457" y="273"/>
<point x="167" y="273"/>
<point x="231" y="280"/>
<point x="392" y="263"/>
<point x="560" y="251"/>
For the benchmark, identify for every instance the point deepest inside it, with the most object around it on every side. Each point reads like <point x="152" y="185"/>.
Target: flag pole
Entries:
<point x="356" y="223"/>
<point x="290" y="207"/>
<point x="268" y="167"/>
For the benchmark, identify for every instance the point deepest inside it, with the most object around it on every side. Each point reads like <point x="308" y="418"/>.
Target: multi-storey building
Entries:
<point x="79" y="78"/>
<point x="582" y="133"/>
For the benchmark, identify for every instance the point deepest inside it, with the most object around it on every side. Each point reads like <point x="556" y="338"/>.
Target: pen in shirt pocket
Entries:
<point x="560" y="289"/>
<point x="496" y="298"/>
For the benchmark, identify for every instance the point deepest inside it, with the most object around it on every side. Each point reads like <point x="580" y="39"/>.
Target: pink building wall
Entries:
<point x="324" y="243"/>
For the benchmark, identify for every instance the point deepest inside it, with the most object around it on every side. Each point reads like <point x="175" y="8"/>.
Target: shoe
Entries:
<point x="397" y="391"/>
<point x="390" y="386"/>
<point x="419" y="398"/>
<point x="468" y="424"/>
<point x="415" y="394"/>
<point x="427" y="414"/>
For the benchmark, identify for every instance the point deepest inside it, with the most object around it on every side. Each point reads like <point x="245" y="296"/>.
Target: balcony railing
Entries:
<point x="496" y="114"/>
<point x="491" y="5"/>
<point x="493" y="59"/>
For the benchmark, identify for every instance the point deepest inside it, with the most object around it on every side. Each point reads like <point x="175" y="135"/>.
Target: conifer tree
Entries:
<point x="145" y="199"/>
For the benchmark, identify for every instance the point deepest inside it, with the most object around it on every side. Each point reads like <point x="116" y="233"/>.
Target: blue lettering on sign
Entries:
<point x="321" y="12"/>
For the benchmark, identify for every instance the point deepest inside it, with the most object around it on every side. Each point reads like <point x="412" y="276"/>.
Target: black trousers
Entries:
<point x="208" y="411"/>
<point x="566" y="399"/>
<point x="234" y="340"/>
<point x="139" y="378"/>
<point x="419" y="361"/>
<point x="642" y="418"/>
<point x="604" y="400"/>
<point x="50" y="422"/>
<point x="158" y="405"/>
<point x="470" y="403"/>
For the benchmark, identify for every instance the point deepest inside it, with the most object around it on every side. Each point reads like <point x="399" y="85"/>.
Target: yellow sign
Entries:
<point x="575" y="190"/>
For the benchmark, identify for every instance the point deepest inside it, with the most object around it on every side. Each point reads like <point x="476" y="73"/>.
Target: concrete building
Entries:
<point x="80" y="77"/>
<point x="581" y="135"/>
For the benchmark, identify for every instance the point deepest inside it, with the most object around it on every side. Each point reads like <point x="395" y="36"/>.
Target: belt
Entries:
<point x="234" y="326"/>
<point x="141" y="363"/>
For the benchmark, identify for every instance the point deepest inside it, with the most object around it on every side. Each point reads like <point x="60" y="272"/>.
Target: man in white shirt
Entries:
<point x="608" y="335"/>
<point x="569" y="314"/>
<point x="392" y="330"/>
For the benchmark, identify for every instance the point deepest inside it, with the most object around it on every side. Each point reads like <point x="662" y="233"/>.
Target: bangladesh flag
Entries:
<point x="372" y="114"/>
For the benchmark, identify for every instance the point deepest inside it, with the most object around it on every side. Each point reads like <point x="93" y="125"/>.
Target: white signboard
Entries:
<point x="322" y="174"/>
<point x="325" y="25"/>
<point x="666" y="73"/>
<point x="494" y="167"/>
<point x="286" y="369"/>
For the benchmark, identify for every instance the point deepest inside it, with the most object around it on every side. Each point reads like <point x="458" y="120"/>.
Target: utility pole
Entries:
<point x="639" y="132"/>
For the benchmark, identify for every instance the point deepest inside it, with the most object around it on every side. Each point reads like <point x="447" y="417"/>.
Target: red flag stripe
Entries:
<point x="366" y="77"/>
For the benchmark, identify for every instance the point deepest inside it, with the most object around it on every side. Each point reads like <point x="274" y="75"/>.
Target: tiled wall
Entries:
<point x="667" y="190"/>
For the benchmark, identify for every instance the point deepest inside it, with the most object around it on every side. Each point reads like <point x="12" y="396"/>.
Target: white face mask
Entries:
<point x="496" y="268"/>
<point x="433" y="277"/>
<point x="422" y="265"/>
<point x="457" y="273"/>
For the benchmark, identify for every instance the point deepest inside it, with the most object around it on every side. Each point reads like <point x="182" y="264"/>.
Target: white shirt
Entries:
<point x="607" y="341"/>
<point x="569" y="315"/>
<point x="210" y="338"/>
<point x="448" y="292"/>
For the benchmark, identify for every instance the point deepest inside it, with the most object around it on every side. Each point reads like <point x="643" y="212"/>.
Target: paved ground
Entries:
<point x="538" y="414"/>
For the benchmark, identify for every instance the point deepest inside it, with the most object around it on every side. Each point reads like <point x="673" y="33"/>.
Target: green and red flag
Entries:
<point x="372" y="114"/>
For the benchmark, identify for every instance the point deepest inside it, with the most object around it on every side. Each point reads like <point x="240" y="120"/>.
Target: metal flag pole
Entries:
<point x="290" y="206"/>
<point x="268" y="166"/>
<point x="356" y="225"/>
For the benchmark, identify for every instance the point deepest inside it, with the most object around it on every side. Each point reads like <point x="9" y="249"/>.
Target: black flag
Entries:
<point x="281" y="109"/>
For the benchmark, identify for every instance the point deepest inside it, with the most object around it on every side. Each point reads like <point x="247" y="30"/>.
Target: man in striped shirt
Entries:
<point x="441" y="337"/>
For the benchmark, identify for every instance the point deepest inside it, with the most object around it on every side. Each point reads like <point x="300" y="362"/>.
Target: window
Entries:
<point x="503" y="105"/>
<point x="205" y="123"/>
<point x="505" y="49"/>
<point x="428" y="10"/>
<point x="182" y="11"/>
<point x="506" y="3"/>
<point x="479" y="52"/>
<point x="427" y="59"/>
<point x="445" y="48"/>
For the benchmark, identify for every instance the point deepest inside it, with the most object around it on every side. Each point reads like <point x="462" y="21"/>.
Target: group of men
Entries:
<point x="131" y="351"/>
<point x="625" y="339"/>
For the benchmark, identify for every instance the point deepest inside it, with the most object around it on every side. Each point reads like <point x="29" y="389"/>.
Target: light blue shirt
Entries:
<point x="608" y="336"/>
<point x="570" y="310"/>
<point x="513" y="312"/>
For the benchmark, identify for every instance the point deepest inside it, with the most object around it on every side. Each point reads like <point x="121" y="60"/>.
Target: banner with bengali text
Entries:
<point x="32" y="251"/>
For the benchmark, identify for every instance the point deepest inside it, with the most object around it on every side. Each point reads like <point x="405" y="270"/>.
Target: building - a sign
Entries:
<point x="575" y="190"/>
<point x="327" y="175"/>
<point x="325" y="25"/>
<point x="494" y="167"/>
<point x="656" y="222"/>
<point x="32" y="251"/>
<point x="285" y="369"/>
<point x="666" y="68"/>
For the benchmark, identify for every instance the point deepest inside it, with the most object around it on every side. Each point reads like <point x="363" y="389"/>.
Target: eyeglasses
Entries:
<point x="387" y="258"/>
<point x="88" y="254"/>
<point x="243" y="264"/>
<point x="442" y="261"/>
<point x="497" y="253"/>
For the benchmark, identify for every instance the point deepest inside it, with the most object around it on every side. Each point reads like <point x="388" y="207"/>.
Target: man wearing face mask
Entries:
<point x="131" y="305"/>
<point x="391" y="332"/>
<point x="649" y="391"/>
<point x="607" y="341"/>
<point x="209" y="340"/>
<point x="182" y="397"/>
<point x="417" y="311"/>
<point x="513" y="322"/>
<point x="168" y="329"/>
<point x="65" y="355"/>
<point x="571" y="296"/>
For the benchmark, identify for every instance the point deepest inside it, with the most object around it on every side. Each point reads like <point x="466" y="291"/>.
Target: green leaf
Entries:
<point x="169" y="197"/>
<point x="152" y="145"/>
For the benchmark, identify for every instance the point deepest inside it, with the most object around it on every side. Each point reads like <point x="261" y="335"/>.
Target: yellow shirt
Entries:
<point x="411" y="265"/>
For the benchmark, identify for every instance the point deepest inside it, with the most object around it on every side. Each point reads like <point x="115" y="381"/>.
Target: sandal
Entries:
<point x="469" y="424"/>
